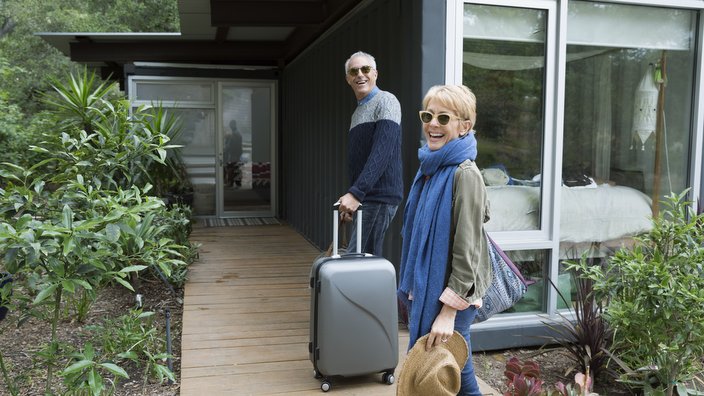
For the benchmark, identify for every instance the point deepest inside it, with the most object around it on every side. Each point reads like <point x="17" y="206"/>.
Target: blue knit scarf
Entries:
<point x="426" y="232"/>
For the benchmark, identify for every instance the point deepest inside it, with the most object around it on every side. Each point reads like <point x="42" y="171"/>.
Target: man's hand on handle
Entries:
<point x="348" y="205"/>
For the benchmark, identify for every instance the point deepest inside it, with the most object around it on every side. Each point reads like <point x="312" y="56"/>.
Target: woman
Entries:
<point x="445" y="267"/>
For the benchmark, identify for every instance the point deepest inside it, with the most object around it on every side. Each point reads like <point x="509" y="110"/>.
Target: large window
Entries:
<point x="624" y="96"/>
<point x="503" y="63"/>
<point x="628" y="111"/>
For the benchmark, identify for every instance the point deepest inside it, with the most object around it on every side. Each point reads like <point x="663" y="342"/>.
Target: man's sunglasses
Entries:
<point x="426" y="117"/>
<point x="353" y="71"/>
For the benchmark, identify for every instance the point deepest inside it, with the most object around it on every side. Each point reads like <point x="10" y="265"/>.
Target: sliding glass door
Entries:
<point x="227" y="136"/>
<point x="246" y="141"/>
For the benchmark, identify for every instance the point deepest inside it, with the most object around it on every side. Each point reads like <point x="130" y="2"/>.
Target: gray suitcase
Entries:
<point x="353" y="315"/>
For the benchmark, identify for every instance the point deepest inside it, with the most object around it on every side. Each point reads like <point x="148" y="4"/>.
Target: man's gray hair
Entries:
<point x="372" y="61"/>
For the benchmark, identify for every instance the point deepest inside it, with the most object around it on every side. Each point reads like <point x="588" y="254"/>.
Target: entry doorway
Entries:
<point x="228" y="139"/>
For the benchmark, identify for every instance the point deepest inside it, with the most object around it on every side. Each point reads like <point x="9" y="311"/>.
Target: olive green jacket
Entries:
<point x="470" y="269"/>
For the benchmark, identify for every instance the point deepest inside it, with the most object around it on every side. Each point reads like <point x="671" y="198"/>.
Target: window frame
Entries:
<point x="542" y="238"/>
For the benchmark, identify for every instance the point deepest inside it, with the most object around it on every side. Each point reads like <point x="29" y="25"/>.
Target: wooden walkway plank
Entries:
<point x="252" y="338"/>
<point x="250" y="321"/>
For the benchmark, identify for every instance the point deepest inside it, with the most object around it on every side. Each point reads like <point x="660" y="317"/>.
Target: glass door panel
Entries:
<point x="198" y="153"/>
<point x="246" y="150"/>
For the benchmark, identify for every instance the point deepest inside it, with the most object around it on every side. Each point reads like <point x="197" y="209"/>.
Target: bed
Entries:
<point x="601" y="217"/>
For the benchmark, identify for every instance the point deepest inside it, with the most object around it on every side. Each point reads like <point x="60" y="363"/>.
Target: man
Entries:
<point x="374" y="155"/>
<point x="233" y="152"/>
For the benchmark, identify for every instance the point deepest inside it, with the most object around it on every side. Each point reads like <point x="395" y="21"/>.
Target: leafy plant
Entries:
<point x="79" y="103"/>
<point x="584" y="334"/>
<point x="582" y="386"/>
<point x="99" y="135"/>
<point x="5" y="295"/>
<point x="137" y="223"/>
<point x="81" y="302"/>
<point x="59" y="252"/>
<point x="656" y="296"/>
<point x="177" y="223"/>
<point x="134" y="338"/>
<point x="11" y="117"/>
<point x="85" y="375"/>
<point x="644" y="378"/>
<point x="169" y="177"/>
<point x="522" y="378"/>
<point x="80" y="216"/>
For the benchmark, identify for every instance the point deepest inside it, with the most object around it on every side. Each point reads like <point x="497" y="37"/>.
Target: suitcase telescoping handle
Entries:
<point x="336" y="230"/>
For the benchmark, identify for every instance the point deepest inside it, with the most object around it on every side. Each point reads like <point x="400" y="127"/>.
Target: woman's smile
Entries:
<point x="438" y="135"/>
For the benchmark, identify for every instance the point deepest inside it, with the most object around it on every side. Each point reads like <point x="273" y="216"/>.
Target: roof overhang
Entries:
<point x="267" y="33"/>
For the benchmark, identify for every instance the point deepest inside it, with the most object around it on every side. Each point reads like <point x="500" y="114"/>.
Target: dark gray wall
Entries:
<point x="317" y="105"/>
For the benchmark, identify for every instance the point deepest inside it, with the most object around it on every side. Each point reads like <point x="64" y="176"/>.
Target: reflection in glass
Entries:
<point x="198" y="153"/>
<point x="503" y="63"/>
<point x="628" y="100"/>
<point x="246" y="121"/>
<point x="183" y="92"/>
<point x="533" y="265"/>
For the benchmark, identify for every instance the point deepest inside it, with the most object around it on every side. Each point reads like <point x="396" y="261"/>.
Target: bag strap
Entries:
<point x="509" y="262"/>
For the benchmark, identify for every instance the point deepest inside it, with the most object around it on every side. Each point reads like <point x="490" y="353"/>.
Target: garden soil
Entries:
<point x="555" y="364"/>
<point x="18" y="344"/>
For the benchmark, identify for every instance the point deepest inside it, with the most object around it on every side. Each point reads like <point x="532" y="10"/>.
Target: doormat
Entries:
<point x="244" y="221"/>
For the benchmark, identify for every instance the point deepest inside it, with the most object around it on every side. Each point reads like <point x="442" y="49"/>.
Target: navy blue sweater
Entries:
<point x="374" y="149"/>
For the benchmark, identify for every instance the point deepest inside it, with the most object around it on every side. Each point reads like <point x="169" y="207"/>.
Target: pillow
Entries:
<point x="495" y="177"/>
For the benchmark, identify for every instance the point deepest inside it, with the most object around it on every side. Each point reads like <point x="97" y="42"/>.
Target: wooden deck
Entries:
<point x="246" y="313"/>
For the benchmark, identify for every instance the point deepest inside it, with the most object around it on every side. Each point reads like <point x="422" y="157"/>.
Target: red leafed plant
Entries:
<point x="522" y="378"/>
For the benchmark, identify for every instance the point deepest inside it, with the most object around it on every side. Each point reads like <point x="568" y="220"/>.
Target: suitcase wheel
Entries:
<point x="325" y="386"/>
<point x="388" y="378"/>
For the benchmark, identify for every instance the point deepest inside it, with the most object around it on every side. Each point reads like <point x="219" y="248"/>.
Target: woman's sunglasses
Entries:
<point x="353" y="71"/>
<point x="426" y="117"/>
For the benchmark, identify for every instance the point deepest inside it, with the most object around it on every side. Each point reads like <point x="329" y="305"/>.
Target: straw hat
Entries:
<point x="435" y="372"/>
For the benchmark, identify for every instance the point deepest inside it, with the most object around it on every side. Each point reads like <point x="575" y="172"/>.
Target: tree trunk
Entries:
<point x="8" y="25"/>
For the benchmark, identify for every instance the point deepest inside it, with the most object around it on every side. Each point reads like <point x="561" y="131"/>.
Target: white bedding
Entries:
<point x="587" y="214"/>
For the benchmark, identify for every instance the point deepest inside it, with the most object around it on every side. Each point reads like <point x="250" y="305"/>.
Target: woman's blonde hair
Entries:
<point x="457" y="97"/>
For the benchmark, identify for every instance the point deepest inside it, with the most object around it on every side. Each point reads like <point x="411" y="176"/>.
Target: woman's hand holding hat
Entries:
<point x="443" y="327"/>
<point x="436" y="372"/>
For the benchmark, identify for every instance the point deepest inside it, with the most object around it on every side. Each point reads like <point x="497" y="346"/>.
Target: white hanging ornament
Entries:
<point x="645" y="107"/>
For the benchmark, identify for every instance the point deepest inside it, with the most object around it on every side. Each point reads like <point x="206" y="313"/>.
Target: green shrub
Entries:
<point x="81" y="216"/>
<point x="655" y="295"/>
<point x="100" y="138"/>
<point x="86" y="373"/>
<point x="134" y="338"/>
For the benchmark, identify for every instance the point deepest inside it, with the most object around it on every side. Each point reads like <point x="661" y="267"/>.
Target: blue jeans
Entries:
<point x="463" y="320"/>
<point x="376" y="217"/>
